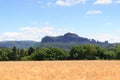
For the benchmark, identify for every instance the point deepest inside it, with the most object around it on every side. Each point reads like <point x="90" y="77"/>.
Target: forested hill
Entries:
<point x="65" y="42"/>
<point x="18" y="44"/>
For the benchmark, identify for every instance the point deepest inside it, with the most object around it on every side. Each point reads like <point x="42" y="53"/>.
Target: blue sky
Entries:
<point x="34" y="19"/>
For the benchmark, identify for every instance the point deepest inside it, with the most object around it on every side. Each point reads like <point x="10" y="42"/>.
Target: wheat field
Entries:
<point x="60" y="70"/>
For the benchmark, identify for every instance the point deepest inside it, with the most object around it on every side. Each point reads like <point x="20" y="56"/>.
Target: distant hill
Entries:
<point x="65" y="41"/>
<point x="18" y="44"/>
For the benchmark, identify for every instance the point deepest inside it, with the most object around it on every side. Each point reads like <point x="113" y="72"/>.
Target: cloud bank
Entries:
<point x="37" y="33"/>
<point x="28" y="33"/>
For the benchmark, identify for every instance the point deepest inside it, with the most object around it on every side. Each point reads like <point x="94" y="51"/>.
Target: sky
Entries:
<point x="34" y="19"/>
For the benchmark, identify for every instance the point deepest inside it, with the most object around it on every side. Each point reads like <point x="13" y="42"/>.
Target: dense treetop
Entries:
<point x="78" y="52"/>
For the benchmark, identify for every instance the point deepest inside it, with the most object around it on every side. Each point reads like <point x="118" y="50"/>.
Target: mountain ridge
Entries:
<point x="68" y="39"/>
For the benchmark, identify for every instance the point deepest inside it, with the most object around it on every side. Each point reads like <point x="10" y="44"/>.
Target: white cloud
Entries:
<point x="103" y="2"/>
<point x="69" y="2"/>
<point x="117" y="2"/>
<point x="93" y="12"/>
<point x="28" y="33"/>
<point x="112" y="38"/>
<point x="37" y="33"/>
<point x="32" y="33"/>
<point x="66" y="3"/>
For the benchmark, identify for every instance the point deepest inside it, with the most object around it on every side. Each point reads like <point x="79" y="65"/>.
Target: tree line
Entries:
<point x="81" y="52"/>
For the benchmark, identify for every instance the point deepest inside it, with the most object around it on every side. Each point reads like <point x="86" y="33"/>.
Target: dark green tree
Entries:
<point x="22" y="53"/>
<point x="90" y="51"/>
<point x="58" y="54"/>
<point x="14" y="54"/>
<point x="109" y="55"/>
<point x="77" y="53"/>
<point x="116" y="49"/>
<point x="30" y="50"/>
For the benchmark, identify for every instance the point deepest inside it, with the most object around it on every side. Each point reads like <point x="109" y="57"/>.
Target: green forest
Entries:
<point x="78" y="52"/>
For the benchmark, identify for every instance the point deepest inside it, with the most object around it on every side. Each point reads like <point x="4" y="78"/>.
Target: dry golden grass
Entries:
<point x="60" y="70"/>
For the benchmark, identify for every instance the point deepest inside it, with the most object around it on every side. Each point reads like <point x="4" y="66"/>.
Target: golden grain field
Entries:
<point x="60" y="70"/>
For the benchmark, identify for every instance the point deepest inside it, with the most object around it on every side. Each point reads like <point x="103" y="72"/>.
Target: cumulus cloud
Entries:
<point x="69" y="2"/>
<point x="37" y="33"/>
<point x="112" y="38"/>
<point x="66" y="3"/>
<point x="93" y="12"/>
<point x="32" y="33"/>
<point x="28" y="33"/>
<point x="103" y="2"/>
